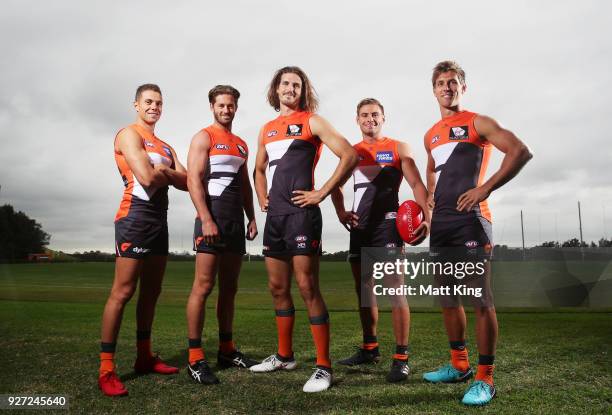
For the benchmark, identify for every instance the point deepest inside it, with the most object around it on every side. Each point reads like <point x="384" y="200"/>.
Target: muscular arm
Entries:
<point x="430" y="175"/>
<point x="346" y="218"/>
<point x="197" y="163"/>
<point x="413" y="177"/>
<point x="516" y="155"/>
<point x="342" y="149"/>
<point x="129" y="144"/>
<point x="259" y="174"/>
<point x="247" y="202"/>
<point x="177" y="177"/>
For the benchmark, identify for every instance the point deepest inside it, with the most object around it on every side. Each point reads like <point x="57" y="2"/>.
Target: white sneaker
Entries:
<point x="320" y="380"/>
<point x="272" y="363"/>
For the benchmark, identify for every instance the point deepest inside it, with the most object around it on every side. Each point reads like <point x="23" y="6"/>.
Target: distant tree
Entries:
<point x="550" y="244"/>
<point x="573" y="243"/>
<point x="605" y="243"/>
<point x="20" y="235"/>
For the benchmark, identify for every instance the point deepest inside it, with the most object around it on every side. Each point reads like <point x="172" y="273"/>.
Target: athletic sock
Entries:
<point x="107" y="358"/>
<point x="226" y="344"/>
<point x="196" y="352"/>
<point x="319" y="327"/>
<point x="284" y="328"/>
<point x="143" y="344"/>
<point x="459" y="355"/>
<point x="401" y="352"/>
<point x="370" y="342"/>
<point x="485" y="368"/>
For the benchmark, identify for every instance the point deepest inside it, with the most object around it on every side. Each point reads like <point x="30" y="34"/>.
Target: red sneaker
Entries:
<point x="110" y="385"/>
<point x="154" y="364"/>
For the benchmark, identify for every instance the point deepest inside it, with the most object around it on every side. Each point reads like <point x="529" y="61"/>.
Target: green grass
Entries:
<point x="49" y="336"/>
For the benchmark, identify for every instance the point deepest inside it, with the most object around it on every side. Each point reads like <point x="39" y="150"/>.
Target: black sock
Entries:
<point x="193" y="343"/>
<point x="457" y="344"/>
<point x="108" y="347"/>
<point x="485" y="359"/>
<point x="143" y="334"/>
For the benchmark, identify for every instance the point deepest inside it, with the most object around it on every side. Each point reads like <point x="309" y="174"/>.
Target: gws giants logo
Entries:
<point x="242" y="150"/>
<point x="294" y="130"/>
<point x="458" y="133"/>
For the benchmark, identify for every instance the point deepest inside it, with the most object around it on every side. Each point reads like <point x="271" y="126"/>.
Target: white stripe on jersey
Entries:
<point x="276" y="150"/>
<point x="222" y="163"/>
<point x="138" y="190"/>
<point x="442" y="152"/>
<point x="363" y="174"/>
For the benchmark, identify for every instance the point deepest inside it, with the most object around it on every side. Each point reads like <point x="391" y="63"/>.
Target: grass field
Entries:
<point x="548" y="362"/>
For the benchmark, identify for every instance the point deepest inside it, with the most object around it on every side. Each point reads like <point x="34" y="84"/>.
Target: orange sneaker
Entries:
<point x="110" y="385"/>
<point x="154" y="364"/>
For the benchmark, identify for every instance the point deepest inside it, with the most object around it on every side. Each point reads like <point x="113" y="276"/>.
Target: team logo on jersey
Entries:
<point x="198" y="240"/>
<point x="222" y="147"/>
<point x="294" y="130"/>
<point x="148" y="143"/>
<point x="435" y="139"/>
<point x="384" y="156"/>
<point x="458" y="133"/>
<point x="272" y="133"/>
<point x="242" y="150"/>
<point x="167" y="151"/>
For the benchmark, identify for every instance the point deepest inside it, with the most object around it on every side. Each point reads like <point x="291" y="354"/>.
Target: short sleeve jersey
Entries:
<point x="139" y="202"/>
<point x="461" y="157"/>
<point x="293" y="153"/>
<point x="227" y="157"/>
<point x="377" y="178"/>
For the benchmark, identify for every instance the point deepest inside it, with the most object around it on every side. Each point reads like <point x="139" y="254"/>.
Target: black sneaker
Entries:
<point x="235" y="359"/>
<point x="399" y="371"/>
<point x="361" y="357"/>
<point x="200" y="372"/>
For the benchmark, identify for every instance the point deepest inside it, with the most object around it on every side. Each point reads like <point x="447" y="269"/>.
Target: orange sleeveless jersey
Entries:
<point x="227" y="157"/>
<point x="377" y="178"/>
<point x="293" y="153"/>
<point x="461" y="157"/>
<point x="139" y="202"/>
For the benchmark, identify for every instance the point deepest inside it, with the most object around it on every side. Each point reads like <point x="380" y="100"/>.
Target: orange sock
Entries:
<point x="195" y="354"/>
<point x="485" y="373"/>
<point x="397" y="356"/>
<point x="460" y="359"/>
<point x="319" y="327"/>
<point x="143" y="348"/>
<point x="227" y="347"/>
<point x="284" y="328"/>
<point x="107" y="363"/>
<point x="369" y="346"/>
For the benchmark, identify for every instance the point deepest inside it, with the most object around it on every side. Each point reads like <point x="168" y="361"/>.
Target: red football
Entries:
<point x="409" y="217"/>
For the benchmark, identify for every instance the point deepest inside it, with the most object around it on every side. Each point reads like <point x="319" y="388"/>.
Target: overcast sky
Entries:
<point x="69" y="71"/>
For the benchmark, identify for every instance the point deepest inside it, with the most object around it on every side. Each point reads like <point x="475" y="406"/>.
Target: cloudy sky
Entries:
<point x="69" y="71"/>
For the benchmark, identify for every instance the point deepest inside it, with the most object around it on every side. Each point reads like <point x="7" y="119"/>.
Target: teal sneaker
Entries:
<point x="479" y="393"/>
<point x="447" y="374"/>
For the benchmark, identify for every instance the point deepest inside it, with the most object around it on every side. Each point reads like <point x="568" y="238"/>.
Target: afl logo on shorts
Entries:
<point x="294" y="130"/>
<point x="471" y="244"/>
<point x="242" y="150"/>
<point x="222" y="147"/>
<point x="384" y="157"/>
<point x="458" y="133"/>
<point x="272" y="133"/>
<point x="301" y="238"/>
